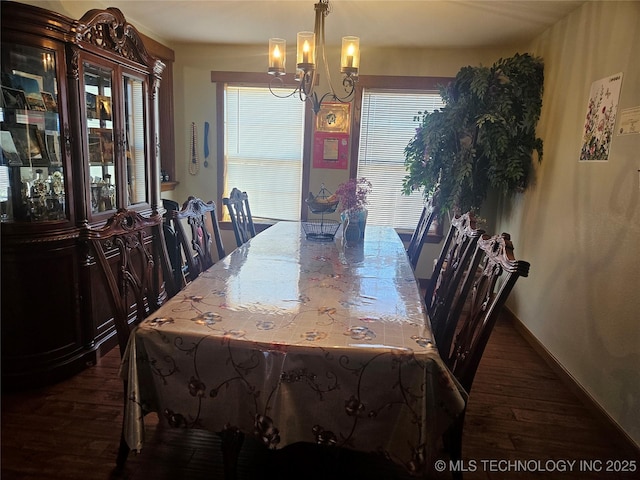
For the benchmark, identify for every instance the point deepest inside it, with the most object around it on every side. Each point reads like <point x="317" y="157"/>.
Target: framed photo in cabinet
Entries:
<point x="29" y="144"/>
<point x="14" y="98"/>
<point x="104" y="107"/>
<point x="91" y="105"/>
<point x="8" y="153"/>
<point x="49" y="102"/>
<point x="31" y="85"/>
<point x="101" y="148"/>
<point x="52" y="142"/>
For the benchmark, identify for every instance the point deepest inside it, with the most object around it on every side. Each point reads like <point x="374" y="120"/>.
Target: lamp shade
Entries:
<point x="350" y="56"/>
<point x="277" y="56"/>
<point x="306" y="50"/>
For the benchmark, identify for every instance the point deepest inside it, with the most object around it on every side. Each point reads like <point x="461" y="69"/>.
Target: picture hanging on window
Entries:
<point x="333" y="117"/>
<point x="600" y="120"/>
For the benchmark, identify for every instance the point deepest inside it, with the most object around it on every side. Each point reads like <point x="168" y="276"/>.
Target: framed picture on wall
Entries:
<point x="333" y="117"/>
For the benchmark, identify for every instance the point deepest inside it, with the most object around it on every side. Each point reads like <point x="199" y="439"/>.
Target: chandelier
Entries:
<point x="310" y="49"/>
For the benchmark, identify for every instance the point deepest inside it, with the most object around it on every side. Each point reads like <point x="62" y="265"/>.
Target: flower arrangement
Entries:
<point x="353" y="194"/>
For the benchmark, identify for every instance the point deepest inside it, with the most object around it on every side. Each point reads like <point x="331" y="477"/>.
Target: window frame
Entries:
<point x="390" y="82"/>
<point x="254" y="79"/>
<point x="249" y="79"/>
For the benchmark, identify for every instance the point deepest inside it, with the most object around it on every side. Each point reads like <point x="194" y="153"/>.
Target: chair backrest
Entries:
<point x="429" y="213"/>
<point x="238" y="206"/>
<point x="195" y="246"/>
<point x="131" y="256"/>
<point x="171" y="240"/>
<point x="492" y="274"/>
<point x="448" y="273"/>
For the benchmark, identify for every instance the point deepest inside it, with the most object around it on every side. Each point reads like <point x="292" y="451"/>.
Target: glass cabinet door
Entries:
<point x="135" y="130"/>
<point x="101" y="137"/>
<point x="32" y="176"/>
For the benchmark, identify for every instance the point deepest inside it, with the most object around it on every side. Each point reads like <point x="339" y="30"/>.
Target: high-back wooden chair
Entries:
<point x="195" y="242"/>
<point x="490" y="278"/>
<point x="130" y="255"/>
<point x="171" y="240"/>
<point x="238" y="207"/>
<point x="429" y="213"/>
<point x="448" y="273"/>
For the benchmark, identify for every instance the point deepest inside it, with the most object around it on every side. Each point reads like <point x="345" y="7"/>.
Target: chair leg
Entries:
<point x="232" y="440"/>
<point x="452" y="440"/>
<point x="123" y="452"/>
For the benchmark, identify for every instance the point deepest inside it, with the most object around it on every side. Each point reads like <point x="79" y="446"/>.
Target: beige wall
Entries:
<point x="579" y="226"/>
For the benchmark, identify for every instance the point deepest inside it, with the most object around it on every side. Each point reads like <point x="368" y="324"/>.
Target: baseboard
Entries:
<point x="565" y="376"/>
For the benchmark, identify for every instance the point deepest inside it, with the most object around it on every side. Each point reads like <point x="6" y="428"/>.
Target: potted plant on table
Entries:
<point x="352" y="195"/>
<point x="482" y="139"/>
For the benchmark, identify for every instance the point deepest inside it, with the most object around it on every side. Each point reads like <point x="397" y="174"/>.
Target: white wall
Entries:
<point x="579" y="226"/>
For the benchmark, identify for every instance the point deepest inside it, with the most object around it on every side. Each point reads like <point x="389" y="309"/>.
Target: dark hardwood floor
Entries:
<point x="519" y="410"/>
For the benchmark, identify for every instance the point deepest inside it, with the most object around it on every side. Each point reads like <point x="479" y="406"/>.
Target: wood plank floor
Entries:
<point x="518" y="410"/>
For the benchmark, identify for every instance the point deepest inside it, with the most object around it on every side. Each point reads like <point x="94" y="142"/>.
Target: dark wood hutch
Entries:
<point x="80" y="122"/>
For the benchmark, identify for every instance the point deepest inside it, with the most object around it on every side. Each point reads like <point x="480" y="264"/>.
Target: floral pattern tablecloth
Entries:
<point x="290" y="340"/>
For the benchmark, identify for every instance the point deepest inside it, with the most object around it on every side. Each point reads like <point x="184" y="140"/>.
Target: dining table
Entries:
<point x="290" y="339"/>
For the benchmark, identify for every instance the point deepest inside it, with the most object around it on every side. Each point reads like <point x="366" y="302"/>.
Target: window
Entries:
<point x="264" y="138"/>
<point x="387" y="125"/>
<point x="264" y="143"/>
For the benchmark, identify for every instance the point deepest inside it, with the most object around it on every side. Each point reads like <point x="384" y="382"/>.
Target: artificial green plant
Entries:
<point x="484" y="136"/>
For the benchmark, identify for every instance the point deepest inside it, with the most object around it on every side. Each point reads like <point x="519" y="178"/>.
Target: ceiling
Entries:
<point x="398" y="23"/>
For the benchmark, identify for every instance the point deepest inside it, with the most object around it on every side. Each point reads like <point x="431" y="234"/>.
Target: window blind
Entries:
<point x="263" y="150"/>
<point x="387" y="126"/>
<point x="135" y="98"/>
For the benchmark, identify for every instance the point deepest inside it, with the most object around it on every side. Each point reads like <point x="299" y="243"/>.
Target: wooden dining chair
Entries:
<point x="238" y="207"/>
<point x="448" y="273"/>
<point x="490" y="278"/>
<point x="429" y="213"/>
<point x="171" y="240"/>
<point x="130" y="255"/>
<point x="195" y="243"/>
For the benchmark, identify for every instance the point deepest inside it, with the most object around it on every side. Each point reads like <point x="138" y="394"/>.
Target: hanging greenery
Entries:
<point x="484" y="136"/>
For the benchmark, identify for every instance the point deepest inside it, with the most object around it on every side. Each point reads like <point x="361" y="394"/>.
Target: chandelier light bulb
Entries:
<point x="277" y="56"/>
<point x="350" y="58"/>
<point x="311" y="46"/>
<point x="306" y="50"/>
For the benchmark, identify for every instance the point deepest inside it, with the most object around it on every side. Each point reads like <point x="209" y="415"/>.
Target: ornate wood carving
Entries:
<point x="109" y="30"/>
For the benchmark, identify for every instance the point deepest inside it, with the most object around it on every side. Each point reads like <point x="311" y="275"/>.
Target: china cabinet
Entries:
<point x="79" y="137"/>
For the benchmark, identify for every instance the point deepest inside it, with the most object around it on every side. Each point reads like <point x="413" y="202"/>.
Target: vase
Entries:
<point x="353" y="225"/>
